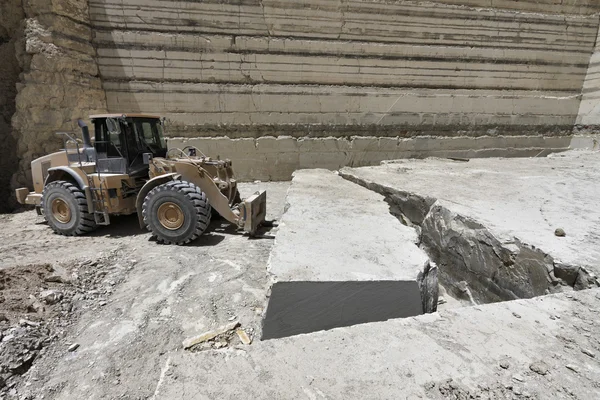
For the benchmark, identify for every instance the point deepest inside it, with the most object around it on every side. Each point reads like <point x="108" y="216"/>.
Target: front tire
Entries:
<point x="176" y="212"/>
<point x="65" y="207"/>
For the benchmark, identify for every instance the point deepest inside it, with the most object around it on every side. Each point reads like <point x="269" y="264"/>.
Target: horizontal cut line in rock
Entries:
<point x="474" y="120"/>
<point x="516" y="35"/>
<point x="328" y="131"/>
<point x="383" y="6"/>
<point x="436" y="28"/>
<point x="425" y="19"/>
<point x="273" y="65"/>
<point x="455" y="70"/>
<point x="248" y="80"/>
<point x="533" y="87"/>
<point x="371" y="79"/>
<point x="309" y="131"/>
<point x="483" y="44"/>
<point x="170" y="98"/>
<point x="372" y="113"/>
<point x="384" y="57"/>
<point x="422" y="10"/>
<point x="493" y="129"/>
<point x="542" y="125"/>
<point x="496" y="20"/>
<point x="318" y="77"/>
<point x="569" y="95"/>
<point x="323" y="4"/>
<point x="163" y="41"/>
<point x="103" y="49"/>
<point x="322" y="90"/>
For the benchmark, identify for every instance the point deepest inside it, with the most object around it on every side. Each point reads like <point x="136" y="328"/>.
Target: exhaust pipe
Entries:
<point x="85" y="133"/>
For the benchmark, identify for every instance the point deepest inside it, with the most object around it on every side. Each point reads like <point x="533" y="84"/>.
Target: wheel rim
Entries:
<point x="61" y="211"/>
<point x="170" y="216"/>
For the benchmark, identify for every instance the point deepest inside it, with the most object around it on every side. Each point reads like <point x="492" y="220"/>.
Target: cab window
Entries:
<point x="148" y="134"/>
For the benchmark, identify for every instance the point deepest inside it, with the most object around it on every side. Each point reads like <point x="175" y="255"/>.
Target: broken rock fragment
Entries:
<point x="243" y="336"/>
<point x="206" y="336"/>
<point x="588" y="353"/>
<point x="73" y="347"/>
<point x="573" y="368"/>
<point x="51" y="296"/>
<point x="539" y="367"/>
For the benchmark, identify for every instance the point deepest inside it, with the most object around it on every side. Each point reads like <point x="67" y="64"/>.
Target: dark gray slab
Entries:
<point x="303" y="307"/>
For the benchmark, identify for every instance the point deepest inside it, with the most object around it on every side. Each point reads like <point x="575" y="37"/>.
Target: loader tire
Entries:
<point x="176" y="212"/>
<point x="65" y="207"/>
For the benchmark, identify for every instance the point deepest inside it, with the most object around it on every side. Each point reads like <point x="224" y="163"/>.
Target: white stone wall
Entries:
<point x="276" y="158"/>
<point x="480" y="67"/>
<point x="589" y="110"/>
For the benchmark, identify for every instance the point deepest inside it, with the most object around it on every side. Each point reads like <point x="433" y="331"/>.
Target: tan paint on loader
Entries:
<point x="91" y="182"/>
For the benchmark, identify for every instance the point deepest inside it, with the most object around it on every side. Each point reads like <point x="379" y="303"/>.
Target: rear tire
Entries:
<point x="176" y="212"/>
<point x="65" y="207"/>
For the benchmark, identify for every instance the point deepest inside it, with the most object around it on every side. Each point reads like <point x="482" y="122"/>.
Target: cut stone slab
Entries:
<point x="482" y="352"/>
<point x="340" y="258"/>
<point x="492" y="222"/>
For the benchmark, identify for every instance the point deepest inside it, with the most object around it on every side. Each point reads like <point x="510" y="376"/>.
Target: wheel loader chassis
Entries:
<point x="116" y="180"/>
<point x="105" y="192"/>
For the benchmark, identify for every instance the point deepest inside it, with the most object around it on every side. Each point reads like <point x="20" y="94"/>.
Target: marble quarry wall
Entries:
<point x="285" y="84"/>
<point x="317" y="74"/>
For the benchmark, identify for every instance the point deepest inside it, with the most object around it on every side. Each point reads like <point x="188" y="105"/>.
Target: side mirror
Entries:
<point x="147" y="157"/>
<point x="113" y="125"/>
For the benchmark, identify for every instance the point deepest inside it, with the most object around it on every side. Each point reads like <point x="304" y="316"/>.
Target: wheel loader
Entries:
<point x="128" y="169"/>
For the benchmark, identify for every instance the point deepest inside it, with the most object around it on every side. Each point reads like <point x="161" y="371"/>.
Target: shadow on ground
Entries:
<point x="120" y="226"/>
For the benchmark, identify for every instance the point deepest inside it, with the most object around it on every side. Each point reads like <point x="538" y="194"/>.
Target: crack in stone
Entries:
<point x="342" y="19"/>
<point x="466" y="251"/>
<point x="269" y="29"/>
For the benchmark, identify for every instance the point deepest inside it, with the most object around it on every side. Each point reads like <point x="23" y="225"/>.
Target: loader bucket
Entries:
<point x="253" y="211"/>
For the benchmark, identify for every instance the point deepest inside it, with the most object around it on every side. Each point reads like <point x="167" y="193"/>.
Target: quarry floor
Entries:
<point x="160" y="295"/>
<point x="129" y="337"/>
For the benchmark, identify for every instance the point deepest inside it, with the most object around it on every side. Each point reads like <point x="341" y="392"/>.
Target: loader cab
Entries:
<point x="122" y="140"/>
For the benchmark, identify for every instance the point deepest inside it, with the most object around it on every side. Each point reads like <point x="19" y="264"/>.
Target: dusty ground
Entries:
<point x="40" y="303"/>
<point x="146" y="300"/>
<point x="127" y="304"/>
<point x="537" y="349"/>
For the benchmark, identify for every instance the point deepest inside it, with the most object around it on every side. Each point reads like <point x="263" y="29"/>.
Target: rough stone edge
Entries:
<point x="428" y="282"/>
<point x="423" y="213"/>
<point x="271" y="277"/>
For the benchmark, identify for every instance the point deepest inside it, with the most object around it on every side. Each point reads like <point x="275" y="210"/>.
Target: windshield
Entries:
<point x="150" y="135"/>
